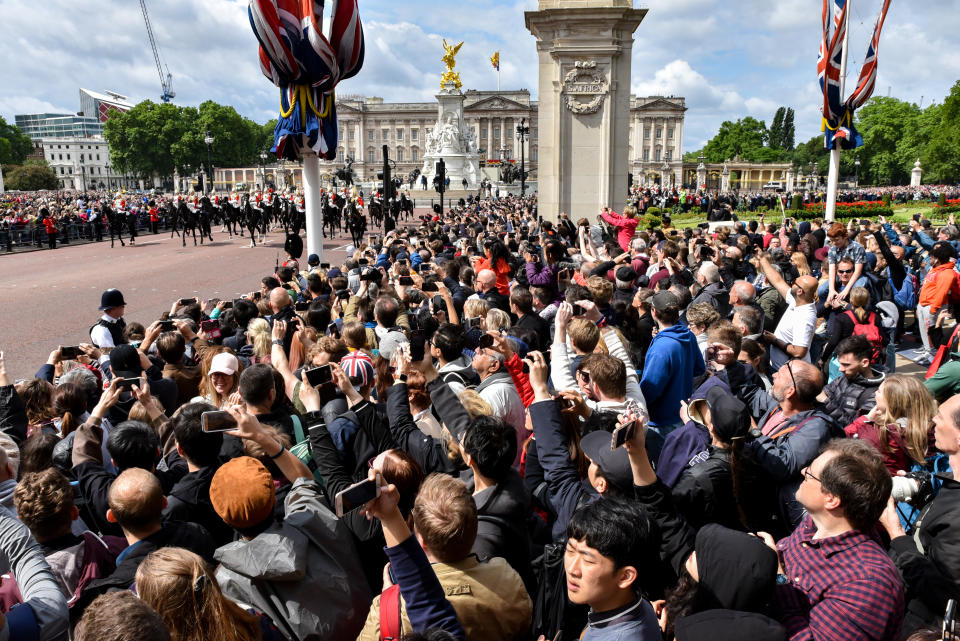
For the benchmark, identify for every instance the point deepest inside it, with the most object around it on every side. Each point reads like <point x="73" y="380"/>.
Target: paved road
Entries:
<point x="50" y="298"/>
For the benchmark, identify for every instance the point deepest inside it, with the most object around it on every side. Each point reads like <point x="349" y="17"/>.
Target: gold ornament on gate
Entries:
<point x="450" y="59"/>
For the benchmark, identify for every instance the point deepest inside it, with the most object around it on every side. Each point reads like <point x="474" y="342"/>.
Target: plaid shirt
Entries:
<point x="854" y="251"/>
<point x="844" y="588"/>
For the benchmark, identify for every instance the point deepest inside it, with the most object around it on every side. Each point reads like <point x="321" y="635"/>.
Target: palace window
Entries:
<point x="646" y="133"/>
<point x="656" y="155"/>
<point x="400" y="155"/>
<point x="496" y="132"/>
<point x="351" y="132"/>
<point x="669" y="155"/>
<point x="371" y="155"/>
<point x="414" y="154"/>
<point x="414" y="133"/>
<point x="659" y="132"/>
<point x="385" y="133"/>
<point x="399" y="134"/>
<point x="670" y="132"/>
<point x="646" y="155"/>
<point x="371" y="135"/>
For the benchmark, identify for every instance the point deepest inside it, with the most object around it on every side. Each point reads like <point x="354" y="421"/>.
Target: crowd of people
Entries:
<point x="485" y="425"/>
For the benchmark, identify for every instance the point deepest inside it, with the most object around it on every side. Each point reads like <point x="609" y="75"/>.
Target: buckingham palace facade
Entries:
<point x="368" y="123"/>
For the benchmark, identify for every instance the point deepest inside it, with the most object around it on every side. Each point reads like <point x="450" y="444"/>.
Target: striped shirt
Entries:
<point x="842" y="588"/>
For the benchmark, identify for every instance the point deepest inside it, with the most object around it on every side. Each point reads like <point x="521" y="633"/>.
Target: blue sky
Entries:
<point x="729" y="59"/>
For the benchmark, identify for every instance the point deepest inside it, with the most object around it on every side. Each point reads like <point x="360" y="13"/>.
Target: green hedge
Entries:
<point x="797" y="203"/>
<point x="846" y="213"/>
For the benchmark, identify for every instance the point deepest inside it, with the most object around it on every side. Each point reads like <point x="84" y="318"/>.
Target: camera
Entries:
<point x="915" y="488"/>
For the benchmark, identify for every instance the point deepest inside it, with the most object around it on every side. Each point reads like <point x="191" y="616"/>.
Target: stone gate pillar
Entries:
<point x="584" y="50"/>
<point x="916" y="175"/>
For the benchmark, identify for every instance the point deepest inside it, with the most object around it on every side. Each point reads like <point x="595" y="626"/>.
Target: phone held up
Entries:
<point x="625" y="430"/>
<point x="357" y="495"/>
<point x="218" y="421"/>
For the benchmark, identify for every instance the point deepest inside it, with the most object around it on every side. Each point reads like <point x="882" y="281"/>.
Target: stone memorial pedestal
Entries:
<point x="452" y="141"/>
<point x="584" y="49"/>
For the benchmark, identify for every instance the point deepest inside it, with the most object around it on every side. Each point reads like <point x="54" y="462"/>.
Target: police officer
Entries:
<point x="108" y="332"/>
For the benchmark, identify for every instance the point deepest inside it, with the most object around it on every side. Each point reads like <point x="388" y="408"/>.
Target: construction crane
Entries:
<point x="166" y="82"/>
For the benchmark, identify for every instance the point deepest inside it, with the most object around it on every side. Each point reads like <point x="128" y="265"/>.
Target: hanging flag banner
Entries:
<point x="495" y="60"/>
<point x="837" y="123"/>
<point x="307" y="65"/>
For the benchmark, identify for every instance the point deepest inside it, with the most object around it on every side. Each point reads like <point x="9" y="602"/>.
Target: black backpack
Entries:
<point x="552" y="610"/>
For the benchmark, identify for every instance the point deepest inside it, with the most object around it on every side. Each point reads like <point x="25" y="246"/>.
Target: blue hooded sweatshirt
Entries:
<point x="673" y="360"/>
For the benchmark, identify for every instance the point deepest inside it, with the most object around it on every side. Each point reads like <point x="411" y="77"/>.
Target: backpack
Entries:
<point x="390" y="621"/>
<point x="879" y="287"/>
<point x="871" y="331"/>
<point x="553" y="612"/>
<point x="302" y="448"/>
<point x="466" y="377"/>
<point x="906" y="297"/>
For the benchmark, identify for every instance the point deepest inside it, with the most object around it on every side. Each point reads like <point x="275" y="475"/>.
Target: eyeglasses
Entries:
<point x="585" y="375"/>
<point x="844" y="271"/>
<point x="809" y="475"/>
<point x="790" y="372"/>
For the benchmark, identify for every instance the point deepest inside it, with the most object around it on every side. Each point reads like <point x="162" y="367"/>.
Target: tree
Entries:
<point x="15" y="146"/>
<point x="776" y="129"/>
<point x="744" y="138"/>
<point x="882" y="123"/>
<point x="34" y="175"/>
<point x="789" y="131"/>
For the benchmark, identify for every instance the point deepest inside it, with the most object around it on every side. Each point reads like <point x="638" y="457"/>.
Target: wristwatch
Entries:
<point x="277" y="341"/>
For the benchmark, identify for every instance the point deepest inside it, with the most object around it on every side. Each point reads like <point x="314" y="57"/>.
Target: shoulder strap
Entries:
<point x="298" y="429"/>
<point x="853" y="317"/>
<point x="390" y="614"/>
<point x="787" y="430"/>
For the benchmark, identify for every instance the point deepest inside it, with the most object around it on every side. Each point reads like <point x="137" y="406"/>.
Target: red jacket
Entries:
<point x="940" y="287"/>
<point x="50" y="224"/>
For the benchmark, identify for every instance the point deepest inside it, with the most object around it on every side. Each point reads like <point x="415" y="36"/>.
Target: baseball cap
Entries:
<point x="614" y="464"/>
<point x="334" y="272"/>
<point x="665" y="301"/>
<point x="390" y="343"/>
<point x="125" y="362"/>
<point x="359" y="367"/>
<point x="110" y="299"/>
<point x="224" y="363"/>
<point x="728" y="414"/>
<point x="351" y="250"/>
<point x="242" y="493"/>
<point x="313" y="260"/>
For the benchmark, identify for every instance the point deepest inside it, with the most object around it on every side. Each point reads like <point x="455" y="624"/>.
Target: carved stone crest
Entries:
<point x="584" y="88"/>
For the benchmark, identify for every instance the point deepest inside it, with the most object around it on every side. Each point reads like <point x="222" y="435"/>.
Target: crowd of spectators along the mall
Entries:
<point x="583" y="427"/>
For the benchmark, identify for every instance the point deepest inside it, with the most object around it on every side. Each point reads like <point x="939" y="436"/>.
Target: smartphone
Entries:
<point x="916" y="217"/>
<point x="69" y="353"/>
<point x="429" y="287"/>
<point x="343" y="294"/>
<point x="319" y="375"/>
<point x="228" y="304"/>
<point x="405" y="281"/>
<point x="622" y="433"/>
<point x="485" y="342"/>
<point x="357" y="495"/>
<point x="333" y="330"/>
<point x="257" y="295"/>
<point x="128" y="383"/>
<point x="211" y="327"/>
<point x="563" y="274"/>
<point x="578" y="310"/>
<point x="302" y="307"/>
<point x="218" y="421"/>
<point x="418" y="342"/>
<point x="187" y="301"/>
<point x="363" y="261"/>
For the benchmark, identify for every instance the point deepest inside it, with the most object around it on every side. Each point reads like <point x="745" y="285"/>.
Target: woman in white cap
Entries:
<point x="221" y="377"/>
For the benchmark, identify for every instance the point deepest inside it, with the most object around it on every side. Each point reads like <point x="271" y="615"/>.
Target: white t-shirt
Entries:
<point x="796" y="327"/>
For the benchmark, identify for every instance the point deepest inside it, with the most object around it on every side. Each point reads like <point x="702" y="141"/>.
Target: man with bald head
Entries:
<point x="792" y="431"/>
<point x="282" y="306"/>
<point x="487" y="290"/>
<point x="794" y="332"/>
<point x="136" y="503"/>
<point x="713" y="291"/>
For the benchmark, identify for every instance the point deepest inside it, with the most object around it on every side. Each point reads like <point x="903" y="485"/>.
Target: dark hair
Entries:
<point x="523" y="299"/>
<point x="619" y="530"/>
<point x="36" y="453"/>
<point x="244" y="311"/>
<point x="171" y="347"/>
<point x="450" y="340"/>
<point x="318" y="316"/>
<point x="574" y="292"/>
<point x="858" y="345"/>
<point x="943" y="251"/>
<point x="120" y="616"/>
<point x="70" y="402"/>
<point x="498" y="251"/>
<point x="858" y="477"/>
<point x="492" y="444"/>
<point x="271" y="282"/>
<point x="44" y="503"/>
<point x="255" y="383"/>
<point x="199" y="447"/>
<point x="386" y="310"/>
<point x="285" y="274"/>
<point x="554" y="251"/>
<point x="133" y="444"/>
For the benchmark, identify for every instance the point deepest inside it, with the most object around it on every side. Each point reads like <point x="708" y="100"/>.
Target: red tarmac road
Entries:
<point x="50" y="298"/>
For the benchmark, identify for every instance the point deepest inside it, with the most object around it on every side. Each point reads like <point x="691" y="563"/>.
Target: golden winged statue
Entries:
<point x="450" y="59"/>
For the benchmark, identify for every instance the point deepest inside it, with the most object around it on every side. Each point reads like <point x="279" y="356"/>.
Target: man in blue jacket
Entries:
<point x="673" y="360"/>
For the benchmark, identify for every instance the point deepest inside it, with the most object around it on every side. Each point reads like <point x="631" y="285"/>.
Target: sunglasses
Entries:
<point x="584" y="375"/>
<point x="844" y="271"/>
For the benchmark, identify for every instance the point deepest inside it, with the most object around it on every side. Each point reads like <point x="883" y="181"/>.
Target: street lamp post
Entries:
<point x="856" y="177"/>
<point x="263" y="170"/>
<point x="522" y="132"/>
<point x="209" y="140"/>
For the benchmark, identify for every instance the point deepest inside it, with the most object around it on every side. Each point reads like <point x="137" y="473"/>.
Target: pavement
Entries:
<point x="50" y="297"/>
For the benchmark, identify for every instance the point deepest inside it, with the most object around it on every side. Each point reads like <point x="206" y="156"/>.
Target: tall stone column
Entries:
<point x="790" y="180"/>
<point x="584" y="50"/>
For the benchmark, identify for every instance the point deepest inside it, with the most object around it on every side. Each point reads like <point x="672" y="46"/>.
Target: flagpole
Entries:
<point x="498" y="78"/>
<point x="834" y="175"/>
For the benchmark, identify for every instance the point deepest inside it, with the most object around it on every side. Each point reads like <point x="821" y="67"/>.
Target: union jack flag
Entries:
<point x="838" y="128"/>
<point x="307" y="65"/>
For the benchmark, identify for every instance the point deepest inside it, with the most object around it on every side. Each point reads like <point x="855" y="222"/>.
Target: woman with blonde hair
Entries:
<point x="181" y="588"/>
<point x="800" y="262"/>
<point x="899" y="424"/>
<point x="220" y="370"/>
<point x="258" y="333"/>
